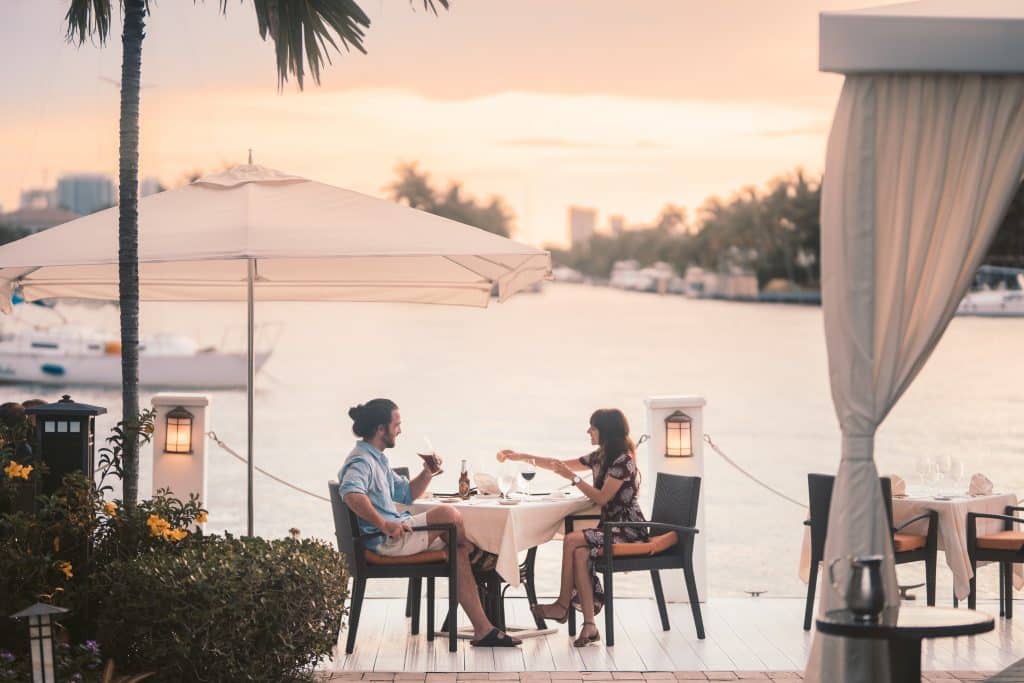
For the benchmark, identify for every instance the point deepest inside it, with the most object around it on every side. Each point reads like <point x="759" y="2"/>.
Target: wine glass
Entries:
<point x="529" y="471"/>
<point x="958" y="471"/>
<point x="923" y="466"/>
<point x="945" y="466"/>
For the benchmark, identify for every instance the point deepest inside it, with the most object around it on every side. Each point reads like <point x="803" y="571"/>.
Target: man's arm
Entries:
<point x="360" y="504"/>
<point x="418" y="485"/>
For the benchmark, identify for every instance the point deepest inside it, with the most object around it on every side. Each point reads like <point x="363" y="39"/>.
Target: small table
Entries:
<point x="904" y="628"/>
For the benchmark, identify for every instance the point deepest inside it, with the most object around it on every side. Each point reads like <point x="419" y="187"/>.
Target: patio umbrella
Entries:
<point x="253" y="233"/>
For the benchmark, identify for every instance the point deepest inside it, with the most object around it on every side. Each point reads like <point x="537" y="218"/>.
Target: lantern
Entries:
<point x="66" y="432"/>
<point x="179" y="431"/>
<point x="678" y="435"/>
<point x="40" y="637"/>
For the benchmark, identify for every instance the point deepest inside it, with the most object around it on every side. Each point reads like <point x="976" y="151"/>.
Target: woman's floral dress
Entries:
<point x="624" y="507"/>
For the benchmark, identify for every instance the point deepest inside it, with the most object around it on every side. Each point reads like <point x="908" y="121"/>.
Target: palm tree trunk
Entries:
<point x="128" y="239"/>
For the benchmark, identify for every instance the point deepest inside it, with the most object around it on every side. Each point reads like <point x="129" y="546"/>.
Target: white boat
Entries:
<point x="997" y="292"/>
<point x="69" y="354"/>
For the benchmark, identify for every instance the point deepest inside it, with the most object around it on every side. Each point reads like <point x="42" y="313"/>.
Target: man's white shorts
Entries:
<point x="411" y="543"/>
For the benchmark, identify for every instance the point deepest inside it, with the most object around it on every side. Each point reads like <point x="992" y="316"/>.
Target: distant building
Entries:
<point x="85" y="193"/>
<point x="150" y="185"/>
<point x="36" y="198"/>
<point x="582" y="223"/>
<point x="35" y="220"/>
<point x="617" y="224"/>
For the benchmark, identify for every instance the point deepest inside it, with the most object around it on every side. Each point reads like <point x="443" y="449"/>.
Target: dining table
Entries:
<point x="508" y="527"/>
<point x="952" y="511"/>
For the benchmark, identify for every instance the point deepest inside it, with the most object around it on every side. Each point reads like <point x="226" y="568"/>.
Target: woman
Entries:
<point x="615" y="489"/>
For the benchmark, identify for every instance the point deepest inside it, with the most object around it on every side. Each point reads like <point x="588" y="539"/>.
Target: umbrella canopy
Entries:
<point x="253" y="233"/>
<point x="308" y="242"/>
<point x="950" y="36"/>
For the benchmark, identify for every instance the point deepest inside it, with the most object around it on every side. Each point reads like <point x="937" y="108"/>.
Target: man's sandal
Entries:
<point x="496" y="639"/>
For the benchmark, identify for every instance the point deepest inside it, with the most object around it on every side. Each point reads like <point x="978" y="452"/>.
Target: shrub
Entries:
<point x="222" y="609"/>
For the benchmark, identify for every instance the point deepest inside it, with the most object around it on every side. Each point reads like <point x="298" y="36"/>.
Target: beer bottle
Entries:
<point x="464" y="482"/>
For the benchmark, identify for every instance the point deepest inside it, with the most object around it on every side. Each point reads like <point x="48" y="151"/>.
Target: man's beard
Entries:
<point x="389" y="441"/>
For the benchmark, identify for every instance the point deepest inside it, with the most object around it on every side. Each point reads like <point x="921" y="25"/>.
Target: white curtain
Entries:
<point x="919" y="172"/>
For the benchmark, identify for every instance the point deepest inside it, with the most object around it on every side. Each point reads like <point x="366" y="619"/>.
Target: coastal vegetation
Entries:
<point x="414" y="188"/>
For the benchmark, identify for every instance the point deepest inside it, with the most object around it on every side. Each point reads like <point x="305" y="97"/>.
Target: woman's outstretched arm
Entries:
<point x="540" y="461"/>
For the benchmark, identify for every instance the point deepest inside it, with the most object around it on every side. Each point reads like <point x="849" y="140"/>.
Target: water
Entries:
<point x="527" y="374"/>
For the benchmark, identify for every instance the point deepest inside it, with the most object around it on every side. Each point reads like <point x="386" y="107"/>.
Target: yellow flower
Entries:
<point x="157" y="525"/>
<point x="13" y="470"/>
<point x="110" y="509"/>
<point x="66" y="568"/>
<point x="175" y="535"/>
<point x="201" y="517"/>
<point x="25" y="471"/>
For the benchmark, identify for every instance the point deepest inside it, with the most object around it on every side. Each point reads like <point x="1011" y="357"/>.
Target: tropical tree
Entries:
<point x="413" y="188"/>
<point x="302" y="31"/>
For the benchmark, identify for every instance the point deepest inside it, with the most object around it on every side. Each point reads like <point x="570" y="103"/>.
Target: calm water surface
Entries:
<point x="527" y="374"/>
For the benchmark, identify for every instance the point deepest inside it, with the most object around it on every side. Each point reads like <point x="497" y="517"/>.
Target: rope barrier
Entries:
<point x="707" y="439"/>
<point x="213" y="435"/>
<point x="748" y="475"/>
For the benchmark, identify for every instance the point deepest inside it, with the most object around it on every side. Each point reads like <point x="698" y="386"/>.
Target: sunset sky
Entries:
<point x="619" y="106"/>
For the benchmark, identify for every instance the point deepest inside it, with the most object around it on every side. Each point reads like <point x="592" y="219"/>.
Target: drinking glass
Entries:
<point x="924" y="463"/>
<point x="934" y="476"/>
<point x="529" y="471"/>
<point x="959" y="472"/>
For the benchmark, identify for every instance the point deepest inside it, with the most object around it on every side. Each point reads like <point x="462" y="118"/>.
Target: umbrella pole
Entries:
<point x="249" y="385"/>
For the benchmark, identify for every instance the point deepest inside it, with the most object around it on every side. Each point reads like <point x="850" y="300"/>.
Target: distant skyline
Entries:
<point x="546" y="104"/>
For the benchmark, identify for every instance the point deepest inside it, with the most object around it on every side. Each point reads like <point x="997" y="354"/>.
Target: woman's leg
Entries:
<point x="562" y="604"/>
<point x="584" y="589"/>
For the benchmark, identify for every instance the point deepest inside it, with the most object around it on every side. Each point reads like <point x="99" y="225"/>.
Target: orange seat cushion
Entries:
<point x="428" y="557"/>
<point x="1002" y="540"/>
<point x="905" y="542"/>
<point x="656" y="544"/>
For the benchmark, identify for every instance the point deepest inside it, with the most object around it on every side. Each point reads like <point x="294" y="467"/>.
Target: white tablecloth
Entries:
<point x="952" y="537"/>
<point x="507" y="530"/>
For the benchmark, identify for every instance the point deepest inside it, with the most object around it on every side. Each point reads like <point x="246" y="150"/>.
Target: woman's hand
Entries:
<point x="506" y="454"/>
<point x="560" y="468"/>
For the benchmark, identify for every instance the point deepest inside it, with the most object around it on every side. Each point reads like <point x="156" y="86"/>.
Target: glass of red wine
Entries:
<point x="529" y="471"/>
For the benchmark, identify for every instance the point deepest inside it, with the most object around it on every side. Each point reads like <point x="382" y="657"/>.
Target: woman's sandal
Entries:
<point x="535" y="610"/>
<point x="496" y="639"/>
<point x="582" y="640"/>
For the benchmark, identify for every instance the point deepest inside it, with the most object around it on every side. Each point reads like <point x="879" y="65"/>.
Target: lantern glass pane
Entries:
<point x="50" y="426"/>
<point x="76" y="427"/>
<point x="179" y="435"/>
<point x="62" y="427"/>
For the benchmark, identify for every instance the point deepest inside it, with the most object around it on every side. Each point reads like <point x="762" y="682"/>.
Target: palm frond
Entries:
<point x="304" y="30"/>
<point x="88" y="18"/>
<point x="429" y="5"/>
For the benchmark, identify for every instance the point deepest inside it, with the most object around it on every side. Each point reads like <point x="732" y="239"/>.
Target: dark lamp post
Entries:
<point x="40" y="637"/>
<point x="179" y="431"/>
<point x="678" y="435"/>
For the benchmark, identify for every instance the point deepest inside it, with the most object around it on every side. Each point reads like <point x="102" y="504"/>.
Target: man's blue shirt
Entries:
<point x="367" y="470"/>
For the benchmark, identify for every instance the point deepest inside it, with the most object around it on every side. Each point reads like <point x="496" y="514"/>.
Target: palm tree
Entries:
<point x="301" y="30"/>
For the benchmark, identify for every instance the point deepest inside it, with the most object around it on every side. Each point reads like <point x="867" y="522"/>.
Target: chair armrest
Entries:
<point x="971" y="516"/>
<point x="448" y="528"/>
<point x="1013" y="508"/>
<point x="656" y="525"/>
<point x="931" y="515"/>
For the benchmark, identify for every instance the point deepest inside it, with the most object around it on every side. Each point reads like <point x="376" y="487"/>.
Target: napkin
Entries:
<point x="899" y="487"/>
<point x="486" y="483"/>
<point x="980" y="485"/>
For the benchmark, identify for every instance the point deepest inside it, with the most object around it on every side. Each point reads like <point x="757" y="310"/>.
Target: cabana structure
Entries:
<point x="925" y="153"/>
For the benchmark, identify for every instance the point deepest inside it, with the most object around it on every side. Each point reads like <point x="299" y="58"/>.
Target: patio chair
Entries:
<point x="670" y="547"/>
<point x="1005" y="547"/>
<point x="364" y="564"/>
<point x="906" y="547"/>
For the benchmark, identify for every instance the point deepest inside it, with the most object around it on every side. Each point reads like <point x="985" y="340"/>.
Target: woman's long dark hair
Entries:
<point x="613" y="438"/>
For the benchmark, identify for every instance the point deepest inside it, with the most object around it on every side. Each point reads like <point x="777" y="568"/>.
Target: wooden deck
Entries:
<point x="743" y="634"/>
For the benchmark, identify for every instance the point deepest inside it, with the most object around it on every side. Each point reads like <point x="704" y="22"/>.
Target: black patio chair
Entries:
<point x="906" y="547"/>
<point x="364" y="564"/>
<point x="1005" y="547"/>
<point x="672" y="529"/>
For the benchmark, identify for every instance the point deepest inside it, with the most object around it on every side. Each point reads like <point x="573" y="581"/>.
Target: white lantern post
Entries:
<point x="676" y="427"/>
<point x="40" y="638"/>
<point x="179" y="443"/>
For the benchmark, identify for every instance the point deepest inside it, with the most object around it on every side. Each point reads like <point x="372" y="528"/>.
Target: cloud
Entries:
<point x="564" y="143"/>
<point x="814" y="129"/>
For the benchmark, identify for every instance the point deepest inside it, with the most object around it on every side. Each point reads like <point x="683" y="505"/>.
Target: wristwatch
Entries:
<point x="576" y="479"/>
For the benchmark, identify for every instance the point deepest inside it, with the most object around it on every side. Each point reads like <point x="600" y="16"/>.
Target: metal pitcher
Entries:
<point x="865" y="595"/>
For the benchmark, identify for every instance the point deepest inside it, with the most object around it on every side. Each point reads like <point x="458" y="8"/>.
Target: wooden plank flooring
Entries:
<point x="743" y="634"/>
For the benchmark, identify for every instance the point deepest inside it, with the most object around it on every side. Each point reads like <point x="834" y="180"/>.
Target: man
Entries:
<point x="370" y="489"/>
